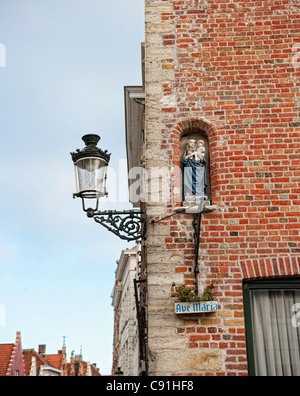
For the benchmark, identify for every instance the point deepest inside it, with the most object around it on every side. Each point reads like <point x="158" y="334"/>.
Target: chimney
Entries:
<point x="42" y="350"/>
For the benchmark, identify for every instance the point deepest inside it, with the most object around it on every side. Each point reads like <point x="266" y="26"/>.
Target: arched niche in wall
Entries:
<point x="196" y="135"/>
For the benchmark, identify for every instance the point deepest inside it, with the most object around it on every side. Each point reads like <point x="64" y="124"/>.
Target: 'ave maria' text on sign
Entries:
<point x="196" y="307"/>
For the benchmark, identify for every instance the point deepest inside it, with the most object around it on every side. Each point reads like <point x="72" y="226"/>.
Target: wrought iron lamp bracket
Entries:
<point x="128" y="225"/>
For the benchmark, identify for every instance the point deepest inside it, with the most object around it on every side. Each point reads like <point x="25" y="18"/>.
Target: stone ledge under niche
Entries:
<point x="192" y="209"/>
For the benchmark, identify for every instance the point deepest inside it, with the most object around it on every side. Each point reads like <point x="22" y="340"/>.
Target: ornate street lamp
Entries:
<point x="90" y="169"/>
<point x="91" y="165"/>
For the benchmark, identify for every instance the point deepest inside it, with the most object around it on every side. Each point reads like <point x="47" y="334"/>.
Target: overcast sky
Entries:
<point x="66" y="65"/>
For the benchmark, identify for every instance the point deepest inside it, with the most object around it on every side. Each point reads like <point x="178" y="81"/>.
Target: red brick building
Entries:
<point x="225" y="72"/>
<point x="11" y="359"/>
<point x="77" y="367"/>
<point x="35" y="364"/>
<point x="14" y="361"/>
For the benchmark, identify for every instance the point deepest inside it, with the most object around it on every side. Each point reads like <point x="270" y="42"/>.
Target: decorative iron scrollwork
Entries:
<point x="127" y="225"/>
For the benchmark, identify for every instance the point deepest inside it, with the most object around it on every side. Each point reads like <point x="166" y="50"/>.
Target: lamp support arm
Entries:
<point x="128" y="225"/>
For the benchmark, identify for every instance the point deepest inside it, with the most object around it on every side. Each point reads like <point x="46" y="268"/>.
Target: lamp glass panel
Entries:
<point x="90" y="176"/>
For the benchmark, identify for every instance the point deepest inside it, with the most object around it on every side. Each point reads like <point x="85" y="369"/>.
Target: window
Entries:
<point x="272" y="315"/>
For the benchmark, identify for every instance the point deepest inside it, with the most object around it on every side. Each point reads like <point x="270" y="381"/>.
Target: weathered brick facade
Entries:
<point x="227" y="70"/>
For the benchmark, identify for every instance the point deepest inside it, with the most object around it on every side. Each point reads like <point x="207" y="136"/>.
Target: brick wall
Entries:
<point x="116" y="342"/>
<point x="230" y="70"/>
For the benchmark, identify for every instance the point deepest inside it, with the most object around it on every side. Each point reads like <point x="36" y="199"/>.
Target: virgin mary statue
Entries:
<point x="195" y="177"/>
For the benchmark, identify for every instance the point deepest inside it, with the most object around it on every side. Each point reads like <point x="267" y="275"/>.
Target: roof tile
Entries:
<point x="5" y="356"/>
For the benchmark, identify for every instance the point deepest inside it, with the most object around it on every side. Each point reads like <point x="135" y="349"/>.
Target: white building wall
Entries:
<point x="128" y="331"/>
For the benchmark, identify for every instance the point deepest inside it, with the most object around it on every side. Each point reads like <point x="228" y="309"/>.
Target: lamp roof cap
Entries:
<point x="91" y="149"/>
